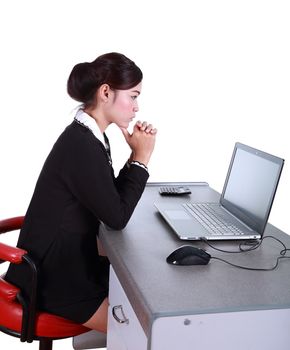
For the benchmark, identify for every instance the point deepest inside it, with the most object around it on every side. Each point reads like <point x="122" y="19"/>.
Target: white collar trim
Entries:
<point x="83" y="118"/>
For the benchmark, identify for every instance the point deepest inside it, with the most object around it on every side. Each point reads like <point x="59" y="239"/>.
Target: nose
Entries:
<point x="136" y="107"/>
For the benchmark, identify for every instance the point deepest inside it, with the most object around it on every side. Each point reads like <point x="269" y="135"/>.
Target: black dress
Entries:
<point x="76" y="190"/>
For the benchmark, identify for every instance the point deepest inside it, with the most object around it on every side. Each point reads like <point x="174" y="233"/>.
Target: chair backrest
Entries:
<point x="18" y="317"/>
<point x="8" y="253"/>
<point x="9" y="292"/>
<point x="11" y="224"/>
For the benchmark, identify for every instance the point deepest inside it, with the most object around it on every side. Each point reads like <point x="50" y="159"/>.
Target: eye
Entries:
<point x="134" y="97"/>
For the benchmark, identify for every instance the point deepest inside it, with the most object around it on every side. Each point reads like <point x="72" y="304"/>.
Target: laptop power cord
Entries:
<point x="247" y="246"/>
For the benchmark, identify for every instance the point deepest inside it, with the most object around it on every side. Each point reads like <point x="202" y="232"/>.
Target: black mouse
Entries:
<point x="188" y="255"/>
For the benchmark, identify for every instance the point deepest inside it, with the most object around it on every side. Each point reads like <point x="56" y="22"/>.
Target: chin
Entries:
<point x="125" y="125"/>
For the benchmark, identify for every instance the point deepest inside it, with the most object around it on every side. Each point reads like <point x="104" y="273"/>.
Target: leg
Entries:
<point x="99" y="320"/>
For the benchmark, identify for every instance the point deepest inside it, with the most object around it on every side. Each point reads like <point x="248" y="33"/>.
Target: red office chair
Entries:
<point x="19" y="318"/>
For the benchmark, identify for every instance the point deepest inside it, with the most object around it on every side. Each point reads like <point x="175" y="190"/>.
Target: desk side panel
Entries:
<point x="251" y="330"/>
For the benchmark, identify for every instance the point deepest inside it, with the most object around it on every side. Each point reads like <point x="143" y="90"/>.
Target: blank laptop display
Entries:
<point x="244" y="206"/>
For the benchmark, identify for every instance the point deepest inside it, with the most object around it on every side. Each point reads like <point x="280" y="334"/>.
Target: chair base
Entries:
<point x="45" y="344"/>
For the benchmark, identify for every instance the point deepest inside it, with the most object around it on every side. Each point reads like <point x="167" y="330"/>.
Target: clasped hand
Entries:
<point x="141" y="141"/>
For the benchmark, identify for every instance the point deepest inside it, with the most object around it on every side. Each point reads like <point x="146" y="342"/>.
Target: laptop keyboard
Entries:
<point x="211" y="219"/>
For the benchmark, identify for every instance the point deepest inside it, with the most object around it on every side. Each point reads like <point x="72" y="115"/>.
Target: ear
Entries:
<point x="104" y="92"/>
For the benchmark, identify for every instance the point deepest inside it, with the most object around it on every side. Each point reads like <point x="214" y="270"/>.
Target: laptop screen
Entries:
<point x="251" y="185"/>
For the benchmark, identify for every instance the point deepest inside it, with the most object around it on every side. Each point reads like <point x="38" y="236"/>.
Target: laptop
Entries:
<point x="244" y="206"/>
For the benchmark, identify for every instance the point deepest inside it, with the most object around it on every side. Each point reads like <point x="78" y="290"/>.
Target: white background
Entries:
<point x="215" y="72"/>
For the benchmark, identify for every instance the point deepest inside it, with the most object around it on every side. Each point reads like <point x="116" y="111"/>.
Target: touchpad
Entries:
<point x="178" y="215"/>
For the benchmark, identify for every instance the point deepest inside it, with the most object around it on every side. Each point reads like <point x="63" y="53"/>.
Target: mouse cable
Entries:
<point x="255" y="245"/>
<point x="249" y="244"/>
<point x="253" y="268"/>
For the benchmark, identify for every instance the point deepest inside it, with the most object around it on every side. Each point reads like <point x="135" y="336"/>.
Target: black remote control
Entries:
<point x="174" y="190"/>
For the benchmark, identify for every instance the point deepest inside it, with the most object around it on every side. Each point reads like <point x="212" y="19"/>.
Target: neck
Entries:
<point x="98" y="117"/>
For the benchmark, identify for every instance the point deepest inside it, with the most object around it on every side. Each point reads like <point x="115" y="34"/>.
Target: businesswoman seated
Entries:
<point x="77" y="189"/>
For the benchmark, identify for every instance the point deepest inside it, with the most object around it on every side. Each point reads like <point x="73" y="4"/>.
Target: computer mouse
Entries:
<point x="188" y="255"/>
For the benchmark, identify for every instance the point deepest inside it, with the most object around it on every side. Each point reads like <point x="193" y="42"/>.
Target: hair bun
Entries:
<point x="78" y="86"/>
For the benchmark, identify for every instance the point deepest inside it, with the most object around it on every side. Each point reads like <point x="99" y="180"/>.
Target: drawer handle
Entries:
<point x="119" y="320"/>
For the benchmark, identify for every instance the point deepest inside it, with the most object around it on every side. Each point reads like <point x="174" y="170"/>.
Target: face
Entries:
<point x="123" y="106"/>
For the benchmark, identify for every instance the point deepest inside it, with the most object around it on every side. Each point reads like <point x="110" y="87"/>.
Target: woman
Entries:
<point x="77" y="190"/>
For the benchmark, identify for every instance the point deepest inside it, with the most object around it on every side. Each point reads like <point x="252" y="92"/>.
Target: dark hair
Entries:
<point x="114" y="69"/>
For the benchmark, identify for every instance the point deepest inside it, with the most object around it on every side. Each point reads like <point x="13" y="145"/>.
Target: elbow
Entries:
<point x="117" y="224"/>
<point x="117" y="217"/>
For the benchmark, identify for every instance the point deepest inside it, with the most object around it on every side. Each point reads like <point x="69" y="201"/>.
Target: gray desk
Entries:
<point x="158" y="290"/>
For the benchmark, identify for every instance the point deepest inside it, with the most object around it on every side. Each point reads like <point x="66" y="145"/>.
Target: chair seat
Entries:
<point x="47" y="325"/>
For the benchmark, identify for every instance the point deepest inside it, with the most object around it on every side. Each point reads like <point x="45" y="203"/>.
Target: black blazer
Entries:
<point x="76" y="190"/>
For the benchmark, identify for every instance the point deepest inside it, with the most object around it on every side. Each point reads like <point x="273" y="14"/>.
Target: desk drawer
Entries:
<point x="124" y="329"/>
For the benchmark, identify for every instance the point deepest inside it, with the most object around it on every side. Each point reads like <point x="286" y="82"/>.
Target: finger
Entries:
<point x="125" y="133"/>
<point x="153" y="131"/>
<point x="144" y="125"/>
<point x="149" y="128"/>
<point x="138" y="124"/>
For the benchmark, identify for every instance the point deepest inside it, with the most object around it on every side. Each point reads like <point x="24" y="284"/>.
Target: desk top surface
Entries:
<point x="156" y="289"/>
